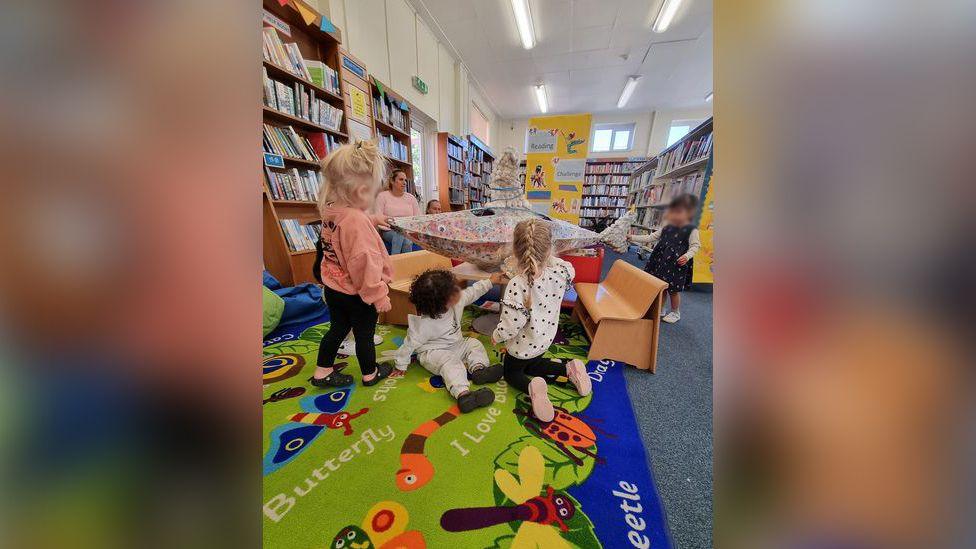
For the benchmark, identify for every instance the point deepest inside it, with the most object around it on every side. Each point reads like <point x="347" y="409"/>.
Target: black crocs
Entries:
<point x="488" y="374"/>
<point x="383" y="371"/>
<point x="335" y="379"/>
<point x="475" y="399"/>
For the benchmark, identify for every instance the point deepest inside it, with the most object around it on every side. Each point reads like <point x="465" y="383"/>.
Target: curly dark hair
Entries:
<point x="431" y="290"/>
<point x="685" y="201"/>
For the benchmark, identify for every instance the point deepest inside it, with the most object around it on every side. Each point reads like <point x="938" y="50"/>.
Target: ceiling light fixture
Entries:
<point x="523" y="20"/>
<point x="666" y="15"/>
<point x="540" y="97"/>
<point x="708" y="97"/>
<point x="628" y="91"/>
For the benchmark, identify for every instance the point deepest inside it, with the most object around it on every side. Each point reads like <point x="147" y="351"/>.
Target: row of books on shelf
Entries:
<point x="456" y="196"/>
<point x="648" y="196"/>
<point x="455" y="165"/>
<point x="287" y="142"/>
<point x="289" y="57"/>
<point x="690" y="184"/>
<point x="602" y="212"/>
<point x="454" y="150"/>
<point x="294" y="184"/>
<point x="604" y="201"/>
<point x="605" y="190"/>
<point x="606" y="179"/>
<point x="649" y="218"/>
<point x="642" y="181"/>
<point x="301" y="238"/>
<point x="613" y="167"/>
<point x="457" y="181"/>
<point x="391" y="147"/>
<point x="389" y="113"/>
<point x="689" y="151"/>
<point x="476" y="181"/>
<point x="297" y="100"/>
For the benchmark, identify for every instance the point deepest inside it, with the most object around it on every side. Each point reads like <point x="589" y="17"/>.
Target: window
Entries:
<point x="613" y="137"/>
<point x="417" y="156"/>
<point x="479" y="125"/>
<point x="679" y="129"/>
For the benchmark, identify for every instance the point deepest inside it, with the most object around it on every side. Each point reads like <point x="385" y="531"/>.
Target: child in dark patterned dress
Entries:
<point x="677" y="242"/>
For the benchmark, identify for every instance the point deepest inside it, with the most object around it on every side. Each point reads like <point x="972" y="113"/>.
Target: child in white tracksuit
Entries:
<point x="435" y="336"/>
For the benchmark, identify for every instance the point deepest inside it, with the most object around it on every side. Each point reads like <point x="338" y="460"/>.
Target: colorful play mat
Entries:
<point x="396" y="465"/>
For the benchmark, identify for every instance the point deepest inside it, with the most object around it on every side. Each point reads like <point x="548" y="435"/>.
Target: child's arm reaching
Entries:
<point x="473" y="292"/>
<point x="514" y="315"/>
<point x="645" y="238"/>
<point x="410" y="343"/>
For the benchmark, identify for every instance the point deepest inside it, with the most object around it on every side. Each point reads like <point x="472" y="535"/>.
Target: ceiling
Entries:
<point x="585" y="51"/>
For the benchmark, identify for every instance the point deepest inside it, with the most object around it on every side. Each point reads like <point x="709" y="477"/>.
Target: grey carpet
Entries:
<point x="674" y="412"/>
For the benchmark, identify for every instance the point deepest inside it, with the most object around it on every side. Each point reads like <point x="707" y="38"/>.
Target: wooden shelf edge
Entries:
<point x="281" y="72"/>
<point x="393" y="129"/>
<point x="398" y="161"/>
<point x="688" y="167"/>
<point x="293" y="202"/>
<point x="305" y="124"/>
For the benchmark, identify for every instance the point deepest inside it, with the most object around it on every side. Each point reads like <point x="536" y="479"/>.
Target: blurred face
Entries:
<point x="678" y="216"/>
<point x="434" y="207"/>
<point x="399" y="183"/>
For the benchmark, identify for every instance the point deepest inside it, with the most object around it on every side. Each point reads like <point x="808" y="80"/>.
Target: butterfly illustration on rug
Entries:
<point x="384" y="527"/>
<point x="321" y="412"/>
<point x="537" y="513"/>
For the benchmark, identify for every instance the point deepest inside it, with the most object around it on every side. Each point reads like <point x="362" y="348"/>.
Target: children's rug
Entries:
<point x="397" y="466"/>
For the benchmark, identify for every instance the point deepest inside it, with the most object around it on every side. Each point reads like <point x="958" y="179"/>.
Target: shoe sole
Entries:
<point x="576" y="370"/>
<point x="541" y="406"/>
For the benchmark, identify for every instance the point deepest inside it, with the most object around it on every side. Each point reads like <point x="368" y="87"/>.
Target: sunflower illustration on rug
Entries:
<point x="398" y="465"/>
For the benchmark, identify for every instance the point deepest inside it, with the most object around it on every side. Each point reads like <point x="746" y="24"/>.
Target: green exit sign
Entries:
<point x="419" y="84"/>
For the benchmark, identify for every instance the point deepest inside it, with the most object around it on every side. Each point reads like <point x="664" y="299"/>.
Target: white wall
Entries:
<point x="512" y="133"/>
<point x="396" y="45"/>
<point x="662" y="125"/>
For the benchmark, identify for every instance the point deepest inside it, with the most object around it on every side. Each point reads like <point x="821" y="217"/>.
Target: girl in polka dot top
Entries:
<point x="530" y="317"/>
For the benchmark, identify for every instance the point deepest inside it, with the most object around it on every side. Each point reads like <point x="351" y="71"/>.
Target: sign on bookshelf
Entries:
<point x="274" y="160"/>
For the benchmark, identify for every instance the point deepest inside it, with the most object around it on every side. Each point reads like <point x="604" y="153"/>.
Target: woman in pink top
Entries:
<point x="397" y="202"/>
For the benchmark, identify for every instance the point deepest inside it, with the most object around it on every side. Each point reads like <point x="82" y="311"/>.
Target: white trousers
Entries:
<point x="454" y="364"/>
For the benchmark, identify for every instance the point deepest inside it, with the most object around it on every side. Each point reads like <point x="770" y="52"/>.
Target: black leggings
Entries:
<point x="520" y="371"/>
<point x="349" y="312"/>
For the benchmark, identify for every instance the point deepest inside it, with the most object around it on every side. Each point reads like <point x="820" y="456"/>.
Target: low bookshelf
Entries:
<point x="452" y="190"/>
<point x="391" y="127"/>
<point x="304" y="119"/>
<point x="605" y="184"/>
<point x="678" y="169"/>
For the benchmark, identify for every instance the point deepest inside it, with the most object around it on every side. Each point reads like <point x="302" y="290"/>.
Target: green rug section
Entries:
<point x="341" y="488"/>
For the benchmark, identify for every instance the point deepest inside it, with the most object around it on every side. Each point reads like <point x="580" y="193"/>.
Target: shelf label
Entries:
<point x="354" y="67"/>
<point x="274" y="160"/>
<point x="272" y="20"/>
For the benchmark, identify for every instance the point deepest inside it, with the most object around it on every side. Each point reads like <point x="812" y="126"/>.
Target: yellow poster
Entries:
<point x="555" y="162"/>
<point x="705" y="258"/>
<point x="357" y="98"/>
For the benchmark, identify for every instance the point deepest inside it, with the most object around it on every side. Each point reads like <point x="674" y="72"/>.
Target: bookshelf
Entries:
<point x="479" y="161"/>
<point x="451" y="171"/>
<point x="391" y="127"/>
<point x="680" y="168"/>
<point x="305" y="116"/>
<point x="605" y="184"/>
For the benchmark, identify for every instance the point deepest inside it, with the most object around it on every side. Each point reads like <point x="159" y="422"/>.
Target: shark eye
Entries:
<point x="441" y="228"/>
<point x="410" y="479"/>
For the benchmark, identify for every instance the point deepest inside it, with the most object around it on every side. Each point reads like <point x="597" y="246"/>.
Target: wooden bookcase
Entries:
<point x="288" y="266"/>
<point x="680" y="168"/>
<point x="479" y="161"/>
<point x="452" y="190"/>
<point x="391" y="127"/>
<point x="605" y="185"/>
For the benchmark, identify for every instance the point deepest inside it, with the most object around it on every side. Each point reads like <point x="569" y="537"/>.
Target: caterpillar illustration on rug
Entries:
<point x="535" y="512"/>
<point x="321" y="412"/>
<point x="415" y="469"/>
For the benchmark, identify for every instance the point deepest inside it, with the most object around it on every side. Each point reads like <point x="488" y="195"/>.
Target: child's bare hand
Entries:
<point x="383" y="306"/>
<point x="499" y="278"/>
<point x="381" y="221"/>
<point x="397" y="373"/>
<point x="682" y="260"/>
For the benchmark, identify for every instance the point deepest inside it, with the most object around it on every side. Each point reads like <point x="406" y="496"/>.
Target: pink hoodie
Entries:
<point x="355" y="261"/>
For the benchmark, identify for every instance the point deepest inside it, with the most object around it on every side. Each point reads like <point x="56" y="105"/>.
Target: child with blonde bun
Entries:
<point x="530" y="318"/>
<point x="355" y="267"/>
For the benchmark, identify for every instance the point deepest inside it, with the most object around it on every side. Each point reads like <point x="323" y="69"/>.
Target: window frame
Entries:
<point x="614" y="127"/>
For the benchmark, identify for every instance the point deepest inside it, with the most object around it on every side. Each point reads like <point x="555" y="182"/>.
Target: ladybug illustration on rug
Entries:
<point x="566" y="432"/>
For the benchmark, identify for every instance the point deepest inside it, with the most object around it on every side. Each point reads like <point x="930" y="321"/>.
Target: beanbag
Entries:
<point x="273" y="308"/>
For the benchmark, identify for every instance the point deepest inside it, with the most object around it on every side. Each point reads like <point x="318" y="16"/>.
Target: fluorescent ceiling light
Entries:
<point x="628" y="91"/>
<point x="523" y="19"/>
<point x="708" y="97"/>
<point x="540" y="96"/>
<point x="666" y="15"/>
